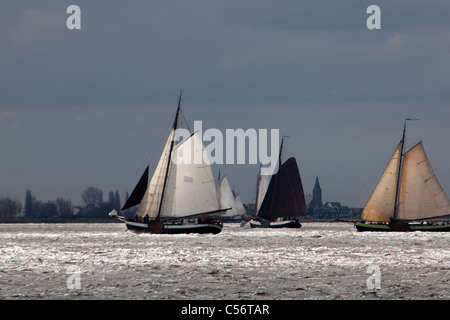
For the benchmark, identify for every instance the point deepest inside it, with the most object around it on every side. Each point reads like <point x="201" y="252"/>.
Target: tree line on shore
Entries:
<point x="94" y="207"/>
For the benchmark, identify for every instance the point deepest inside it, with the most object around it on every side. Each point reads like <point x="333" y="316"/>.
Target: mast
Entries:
<point x="399" y="173"/>
<point x="258" y="179"/>
<point x="174" y="127"/>
<point x="276" y="177"/>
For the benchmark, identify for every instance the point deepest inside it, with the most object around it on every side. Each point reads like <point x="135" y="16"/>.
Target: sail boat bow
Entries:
<point x="181" y="194"/>
<point x="407" y="193"/>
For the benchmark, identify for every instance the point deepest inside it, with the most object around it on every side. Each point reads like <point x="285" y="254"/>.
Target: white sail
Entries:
<point x="190" y="185"/>
<point x="381" y="204"/>
<point x="239" y="206"/>
<point x="226" y="198"/>
<point x="151" y="200"/>
<point x="263" y="185"/>
<point x="421" y="195"/>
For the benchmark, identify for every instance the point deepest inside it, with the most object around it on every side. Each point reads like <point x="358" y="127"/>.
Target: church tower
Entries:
<point x="317" y="195"/>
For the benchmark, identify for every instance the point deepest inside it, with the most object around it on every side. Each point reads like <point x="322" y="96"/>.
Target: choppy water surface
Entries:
<point x="318" y="261"/>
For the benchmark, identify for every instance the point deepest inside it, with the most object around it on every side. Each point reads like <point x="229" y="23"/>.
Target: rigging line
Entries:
<point x="185" y="121"/>
<point x="409" y="143"/>
<point x="181" y="111"/>
<point x="153" y="151"/>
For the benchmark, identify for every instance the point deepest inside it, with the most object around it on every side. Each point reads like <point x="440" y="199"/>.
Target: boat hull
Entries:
<point x="169" y="228"/>
<point x="275" y="225"/>
<point x="402" y="227"/>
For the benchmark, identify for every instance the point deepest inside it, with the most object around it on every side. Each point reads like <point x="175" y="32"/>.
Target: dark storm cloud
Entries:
<point x="224" y="51"/>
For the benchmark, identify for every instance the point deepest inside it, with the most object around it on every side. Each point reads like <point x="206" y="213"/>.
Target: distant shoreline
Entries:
<point x="18" y="220"/>
<point x="49" y="221"/>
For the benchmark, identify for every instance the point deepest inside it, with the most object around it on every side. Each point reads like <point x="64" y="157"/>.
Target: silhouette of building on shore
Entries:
<point x="328" y="210"/>
<point x="316" y="200"/>
<point x="319" y="210"/>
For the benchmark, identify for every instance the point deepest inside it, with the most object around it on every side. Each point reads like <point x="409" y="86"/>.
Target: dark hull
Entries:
<point x="176" y="228"/>
<point x="275" y="225"/>
<point x="401" y="227"/>
<point x="200" y="228"/>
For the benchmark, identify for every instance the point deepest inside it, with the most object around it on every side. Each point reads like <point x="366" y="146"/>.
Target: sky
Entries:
<point x="90" y="107"/>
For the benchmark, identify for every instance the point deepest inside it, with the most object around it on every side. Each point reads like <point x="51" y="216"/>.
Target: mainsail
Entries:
<point x="190" y="184"/>
<point x="421" y="195"/>
<point x="284" y="196"/>
<point x="182" y="184"/>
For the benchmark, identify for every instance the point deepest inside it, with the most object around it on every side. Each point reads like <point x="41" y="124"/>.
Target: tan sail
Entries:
<point x="151" y="200"/>
<point x="381" y="204"/>
<point x="421" y="195"/>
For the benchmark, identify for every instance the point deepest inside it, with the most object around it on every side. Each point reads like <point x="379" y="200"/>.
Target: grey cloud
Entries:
<point x="310" y="68"/>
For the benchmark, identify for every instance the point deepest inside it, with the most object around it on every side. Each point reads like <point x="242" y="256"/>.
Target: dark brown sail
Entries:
<point x="138" y="192"/>
<point x="284" y="196"/>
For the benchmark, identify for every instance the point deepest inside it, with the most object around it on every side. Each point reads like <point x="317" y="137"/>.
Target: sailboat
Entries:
<point x="227" y="199"/>
<point x="407" y="193"/>
<point x="239" y="205"/>
<point x="181" y="196"/>
<point x="279" y="198"/>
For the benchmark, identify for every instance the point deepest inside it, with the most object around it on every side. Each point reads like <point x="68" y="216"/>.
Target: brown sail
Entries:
<point x="284" y="196"/>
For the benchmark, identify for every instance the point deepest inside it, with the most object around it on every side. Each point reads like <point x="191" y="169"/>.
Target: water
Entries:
<point x="318" y="261"/>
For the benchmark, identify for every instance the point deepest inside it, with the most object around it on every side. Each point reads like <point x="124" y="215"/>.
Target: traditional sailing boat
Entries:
<point x="279" y="198"/>
<point x="407" y="191"/>
<point x="239" y="205"/>
<point x="181" y="196"/>
<point x="227" y="199"/>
